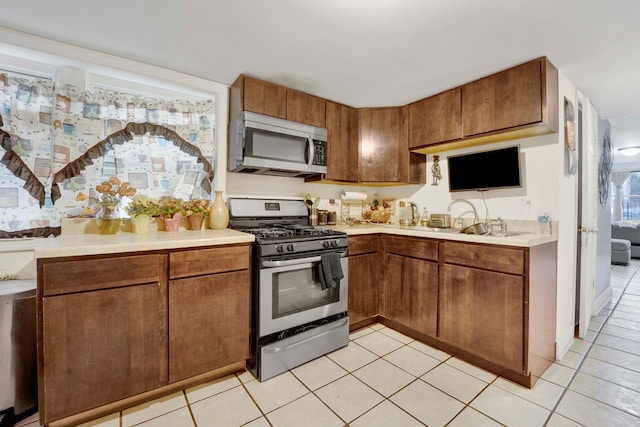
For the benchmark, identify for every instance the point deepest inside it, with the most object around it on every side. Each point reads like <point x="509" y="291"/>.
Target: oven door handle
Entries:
<point x="296" y="261"/>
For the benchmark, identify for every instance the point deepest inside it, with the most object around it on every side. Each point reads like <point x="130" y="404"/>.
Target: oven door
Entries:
<point x="290" y="293"/>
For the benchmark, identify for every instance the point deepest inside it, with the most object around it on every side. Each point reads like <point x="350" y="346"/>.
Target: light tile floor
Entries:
<point x="384" y="378"/>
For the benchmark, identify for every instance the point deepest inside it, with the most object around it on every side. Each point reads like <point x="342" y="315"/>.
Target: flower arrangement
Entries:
<point x="110" y="194"/>
<point x="143" y="205"/>
<point x="169" y="206"/>
<point x="197" y="206"/>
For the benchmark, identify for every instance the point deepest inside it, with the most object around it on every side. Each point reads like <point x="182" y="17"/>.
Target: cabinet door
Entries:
<point x="411" y="293"/>
<point x="384" y="145"/>
<point x="504" y="100"/>
<point x="305" y="108"/>
<point x="482" y="312"/>
<point x="208" y="322"/>
<point x="102" y="346"/>
<point x="364" y="281"/>
<point x="436" y="119"/>
<point x="263" y="97"/>
<point x="342" y="142"/>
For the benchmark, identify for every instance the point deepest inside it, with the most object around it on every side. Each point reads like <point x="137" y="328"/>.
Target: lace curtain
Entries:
<point x="60" y="141"/>
<point x="618" y="179"/>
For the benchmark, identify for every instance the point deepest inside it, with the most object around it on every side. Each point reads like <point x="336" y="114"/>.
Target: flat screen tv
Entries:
<point x="485" y="170"/>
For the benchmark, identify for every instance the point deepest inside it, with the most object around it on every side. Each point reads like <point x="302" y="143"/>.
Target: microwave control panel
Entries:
<point x="319" y="153"/>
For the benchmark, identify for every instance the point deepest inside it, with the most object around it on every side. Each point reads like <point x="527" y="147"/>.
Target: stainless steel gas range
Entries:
<point x="300" y="285"/>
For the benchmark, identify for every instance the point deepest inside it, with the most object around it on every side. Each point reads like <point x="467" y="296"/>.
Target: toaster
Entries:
<point x="440" y="220"/>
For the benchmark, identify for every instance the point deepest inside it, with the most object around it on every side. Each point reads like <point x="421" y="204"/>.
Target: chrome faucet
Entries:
<point x="475" y="213"/>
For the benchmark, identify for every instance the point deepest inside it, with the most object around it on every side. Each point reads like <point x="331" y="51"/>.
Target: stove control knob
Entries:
<point x="280" y="248"/>
<point x="290" y="247"/>
<point x="326" y="244"/>
<point x="334" y="243"/>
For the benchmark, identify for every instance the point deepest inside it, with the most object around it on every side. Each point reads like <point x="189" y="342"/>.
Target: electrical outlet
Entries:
<point x="525" y="201"/>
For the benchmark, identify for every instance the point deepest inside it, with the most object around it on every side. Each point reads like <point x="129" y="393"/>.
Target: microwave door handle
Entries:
<point x="309" y="155"/>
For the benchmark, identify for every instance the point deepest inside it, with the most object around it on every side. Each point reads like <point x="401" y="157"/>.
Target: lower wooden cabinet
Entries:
<point x="411" y="293"/>
<point x="482" y="312"/>
<point x="364" y="278"/>
<point x="492" y="305"/>
<point x="107" y="337"/>
<point x="102" y="346"/>
<point x="208" y="322"/>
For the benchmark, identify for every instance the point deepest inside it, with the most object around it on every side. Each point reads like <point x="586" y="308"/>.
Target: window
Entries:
<point x="630" y="195"/>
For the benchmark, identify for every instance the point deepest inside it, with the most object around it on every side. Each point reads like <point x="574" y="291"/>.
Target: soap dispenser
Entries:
<point x="424" y="219"/>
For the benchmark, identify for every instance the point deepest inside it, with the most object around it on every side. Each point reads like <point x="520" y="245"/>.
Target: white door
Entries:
<point x="588" y="225"/>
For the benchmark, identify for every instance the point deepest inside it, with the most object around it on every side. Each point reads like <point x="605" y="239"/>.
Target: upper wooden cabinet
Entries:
<point x="519" y="102"/>
<point x="436" y="119"/>
<point x="504" y="100"/>
<point x="384" y="154"/>
<point x="342" y="132"/>
<point x="305" y="108"/>
<point x="259" y="96"/>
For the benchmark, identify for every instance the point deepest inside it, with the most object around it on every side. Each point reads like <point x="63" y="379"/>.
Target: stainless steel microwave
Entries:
<point x="266" y="145"/>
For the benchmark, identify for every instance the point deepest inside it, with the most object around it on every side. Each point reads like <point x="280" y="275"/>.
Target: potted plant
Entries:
<point x="106" y="204"/>
<point x="196" y="211"/>
<point x="141" y="209"/>
<point x="172" y="210"/>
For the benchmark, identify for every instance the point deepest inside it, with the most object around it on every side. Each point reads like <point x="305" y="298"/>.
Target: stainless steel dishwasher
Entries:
<point x="18" y="366"/>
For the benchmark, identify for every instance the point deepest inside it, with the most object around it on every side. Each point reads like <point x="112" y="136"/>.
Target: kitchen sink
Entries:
<point x="509" y="233"/>
<point x="435" y="229"/>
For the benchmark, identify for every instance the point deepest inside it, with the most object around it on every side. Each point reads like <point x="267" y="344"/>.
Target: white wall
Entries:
<point x="602" y="292"/>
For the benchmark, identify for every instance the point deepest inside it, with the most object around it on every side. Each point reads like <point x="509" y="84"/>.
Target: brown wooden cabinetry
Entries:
<point x="504" y="100"/>
<point x="411" y="283"/>
<point x="364" y="278"/>
<point x="384" y="147"/>
<point x="112" y="328"/>
<point x="515" y="103"/>
<point x="208" y="312"/>
<point x="99" y="340"/>
<point x="436" y="119"/>
<point x="482" y="312"/>
<point x="342" y="131"/>
<point x="258" y="96"/>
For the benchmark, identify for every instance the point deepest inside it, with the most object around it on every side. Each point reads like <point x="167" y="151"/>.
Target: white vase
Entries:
<point x="219" y="213"/>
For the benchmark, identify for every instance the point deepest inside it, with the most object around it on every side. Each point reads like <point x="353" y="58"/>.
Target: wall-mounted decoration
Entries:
<point x="435" y="170"/>
<point x="604" y="169"/>
<point x="570" y="136"/>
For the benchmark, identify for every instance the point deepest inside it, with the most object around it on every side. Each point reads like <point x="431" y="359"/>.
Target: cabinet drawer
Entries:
<point x="208" y="261"/>
<point x="363" y="244"/>
<point x="91" y="274"/>
<point x="421" y="248"/>
<point x="505" y="260"/>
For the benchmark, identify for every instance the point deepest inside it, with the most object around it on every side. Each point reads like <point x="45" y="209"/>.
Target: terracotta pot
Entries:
<point x="195" y="221"/>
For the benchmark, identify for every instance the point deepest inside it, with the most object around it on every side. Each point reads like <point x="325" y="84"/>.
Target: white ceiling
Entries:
<point x="363" y="52"/>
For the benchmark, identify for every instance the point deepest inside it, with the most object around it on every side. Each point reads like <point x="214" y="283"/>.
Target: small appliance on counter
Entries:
<point x="440" y="220"/>
<point x="299" y="286"/>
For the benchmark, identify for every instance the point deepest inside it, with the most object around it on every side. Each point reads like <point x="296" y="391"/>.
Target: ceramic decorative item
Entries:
<point x="219" y="215"/>
<point x="140" y="223"/>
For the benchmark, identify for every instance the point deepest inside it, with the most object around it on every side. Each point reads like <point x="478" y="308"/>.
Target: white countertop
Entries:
<point x="520" y="240"/>
<point x="96" y="244"/>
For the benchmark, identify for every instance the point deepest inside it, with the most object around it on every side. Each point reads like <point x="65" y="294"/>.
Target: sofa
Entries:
<point x="630" y="232"/>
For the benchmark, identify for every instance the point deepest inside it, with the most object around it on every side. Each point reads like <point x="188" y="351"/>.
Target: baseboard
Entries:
<point x="602" y="300"/>
<point x="564" y="343"/>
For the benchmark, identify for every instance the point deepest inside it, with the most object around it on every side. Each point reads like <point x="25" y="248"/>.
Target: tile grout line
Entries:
<point x="586" y="354"/>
